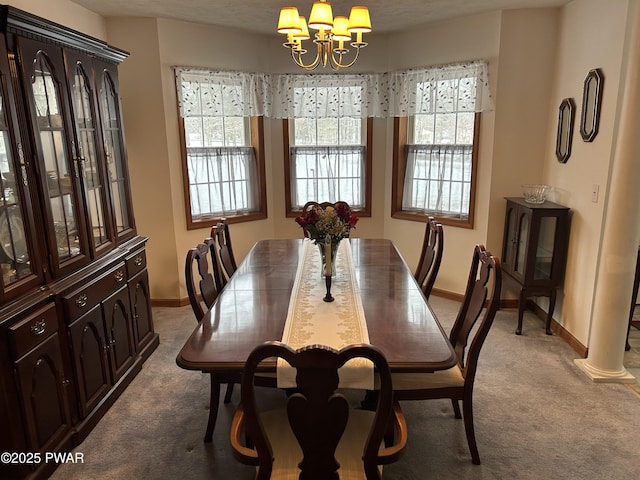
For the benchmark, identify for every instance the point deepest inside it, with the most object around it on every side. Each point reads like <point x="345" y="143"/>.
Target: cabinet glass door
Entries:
<point x="510" y="237"/>
<point x="56" y="161"/>
<point x="544" y="251"/>
<point x="20" y="262"/>
<point x="46" y="89"/>
<point x="15" y="258"/>
<point x="523" y="236"/>
<point x="114" y="151"/>
<point x="84" y="112"/>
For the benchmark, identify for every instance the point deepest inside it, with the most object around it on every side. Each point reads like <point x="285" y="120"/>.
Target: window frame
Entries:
<point x="286" y="142"/>
<point x="257" y="142"/>
<point x="400" y="141"/>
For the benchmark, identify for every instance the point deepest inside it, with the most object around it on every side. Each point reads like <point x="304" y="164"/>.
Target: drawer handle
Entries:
<point x="81" y="300"/>
<point x="119" y="276"/>
<point x="39" y="327"/>
<point x="138" y="260"/>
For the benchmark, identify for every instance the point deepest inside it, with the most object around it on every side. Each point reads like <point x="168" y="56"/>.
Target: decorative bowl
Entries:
<point x="535" y="193"/>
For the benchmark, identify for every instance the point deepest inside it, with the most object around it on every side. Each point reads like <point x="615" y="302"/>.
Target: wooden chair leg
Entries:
<point x="214" y="400"/>
<point x="467" y="407"/>
<point x="390" y="434"/>
<point x="229" y="392"/>
<point x="456" y="408"/>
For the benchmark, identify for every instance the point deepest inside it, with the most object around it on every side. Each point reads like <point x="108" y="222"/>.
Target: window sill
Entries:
<point x="207" y="222"/>
<point x="424" y="217"/>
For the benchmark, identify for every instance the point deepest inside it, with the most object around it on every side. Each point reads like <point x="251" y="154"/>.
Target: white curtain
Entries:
<point x="438" y="179"/>
<point x="391" y="94"/>
<point x="328" y="173"/>
<point x="222" y="180"/>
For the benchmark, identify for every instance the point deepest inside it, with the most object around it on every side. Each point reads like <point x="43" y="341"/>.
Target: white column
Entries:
<point x="621" y="233"/>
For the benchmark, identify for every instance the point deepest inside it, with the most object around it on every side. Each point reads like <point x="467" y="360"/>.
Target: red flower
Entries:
<point x="343" y="211"/>
<point x="301" y="221"/>
<point x="312" y="216"/>
<point x="352" y="221"/>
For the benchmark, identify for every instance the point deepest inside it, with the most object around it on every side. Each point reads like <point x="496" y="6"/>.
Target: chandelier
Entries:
<point x="331" y="37"/>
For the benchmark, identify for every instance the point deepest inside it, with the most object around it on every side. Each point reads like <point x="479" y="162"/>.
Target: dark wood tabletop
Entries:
<point x="253" y="308"/>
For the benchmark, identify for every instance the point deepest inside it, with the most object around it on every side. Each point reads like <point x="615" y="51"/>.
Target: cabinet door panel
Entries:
<point x="141" y="309"/>
<point x="45" y="85"/>
<point x="18" y="258"/>
<point x="89" y="150"/>
<point x="42" y="388"/>
<point x="524" y="221"/>
<point x="113" y="134"/>
<point x="90" y="359"/>
<point x="119" y="332"/>
<point x="545" y="248"/>
<point x="510" y="232"/>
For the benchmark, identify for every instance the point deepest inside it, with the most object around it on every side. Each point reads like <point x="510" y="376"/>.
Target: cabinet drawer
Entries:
<point x="33" y="330"/>
<point x="89" y="295"/>
<point x="136" y="262"/>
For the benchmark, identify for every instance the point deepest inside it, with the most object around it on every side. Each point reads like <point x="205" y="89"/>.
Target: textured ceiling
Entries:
<point x="262" y="15"/>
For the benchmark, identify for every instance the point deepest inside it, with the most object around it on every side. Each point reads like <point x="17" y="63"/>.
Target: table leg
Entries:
<point x="213" y="408"/>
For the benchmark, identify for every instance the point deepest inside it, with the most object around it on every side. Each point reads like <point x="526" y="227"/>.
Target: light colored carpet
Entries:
<point x="537" y="416"/>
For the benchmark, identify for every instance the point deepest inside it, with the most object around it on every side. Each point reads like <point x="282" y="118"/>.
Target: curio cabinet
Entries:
<point x="534" y="250"/>
<point x="75" y="312"/>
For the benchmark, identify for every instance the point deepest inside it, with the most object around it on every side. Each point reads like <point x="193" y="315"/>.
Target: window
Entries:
<point x="435" y="154"/>
<point x="327" y="142"/>
<point x="327" y="158"/>
<point x="223" y="154"/>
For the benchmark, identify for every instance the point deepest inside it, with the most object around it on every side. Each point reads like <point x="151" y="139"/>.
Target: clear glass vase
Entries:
<point x="323" y="255"/>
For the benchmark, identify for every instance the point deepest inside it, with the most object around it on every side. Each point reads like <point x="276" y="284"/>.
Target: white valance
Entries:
<point x="439" y="89"/>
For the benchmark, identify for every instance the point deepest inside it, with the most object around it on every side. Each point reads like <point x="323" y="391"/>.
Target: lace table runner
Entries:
<point x="312" y="321"/>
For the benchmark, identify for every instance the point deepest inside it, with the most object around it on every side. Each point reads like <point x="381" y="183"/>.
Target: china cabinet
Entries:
<point x="75" y="312"/>
<point x="534" y="249"/>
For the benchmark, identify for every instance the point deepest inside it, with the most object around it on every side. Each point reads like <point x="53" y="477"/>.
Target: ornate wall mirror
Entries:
<point x="591" y="101"/>
<point x="566" y="114"/>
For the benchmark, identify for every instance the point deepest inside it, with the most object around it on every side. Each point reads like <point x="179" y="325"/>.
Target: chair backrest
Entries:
<point x="317" y="414"/>
<point x="202" y="259"/>
<point x="220" y="232"/>
<point x="310" y="205"/>
<point x="430" y="257"/>
<point x="484" y="267"/>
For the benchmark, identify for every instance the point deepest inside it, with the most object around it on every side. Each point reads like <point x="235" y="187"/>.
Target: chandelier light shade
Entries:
<point x="332" y="33"/>
<point x="289" y="20"/>
<point x="321" y="16"/>
<point x="359" y="20"/>
<point x="303" y="33"/>
<point x="339" y="30"/>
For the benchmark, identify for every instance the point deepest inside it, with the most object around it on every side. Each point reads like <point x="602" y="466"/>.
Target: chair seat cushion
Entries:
<point x="451" y="377"/>
<point x="287" y="453"/>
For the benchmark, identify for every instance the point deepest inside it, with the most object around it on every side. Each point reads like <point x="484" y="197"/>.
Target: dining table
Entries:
<point x="253" y="307"/>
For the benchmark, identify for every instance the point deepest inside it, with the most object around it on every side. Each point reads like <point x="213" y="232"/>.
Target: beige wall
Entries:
<point x="524" y="78"/>
<point x="591" y="34"/>
<point x="536" y="58"/>
<point x="65" y="13"/>
<point x="153" y="173"/>
<point x="475" y="37"/>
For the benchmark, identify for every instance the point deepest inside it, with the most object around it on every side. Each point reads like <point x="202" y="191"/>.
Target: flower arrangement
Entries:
<point x="334" y="221"/>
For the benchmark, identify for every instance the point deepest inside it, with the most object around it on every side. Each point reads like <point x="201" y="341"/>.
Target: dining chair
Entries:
<point x="317" y="435"/>
<point x="457" y="382"/>
<point x="220" y="232"/>
<point x="430" y="256"/>
<point x="202" y="259"/>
